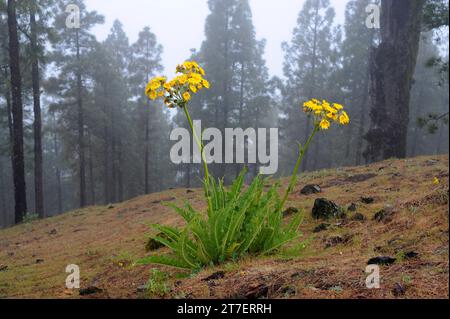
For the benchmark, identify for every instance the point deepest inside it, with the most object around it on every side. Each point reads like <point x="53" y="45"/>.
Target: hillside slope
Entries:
<point x="104" y="242"/>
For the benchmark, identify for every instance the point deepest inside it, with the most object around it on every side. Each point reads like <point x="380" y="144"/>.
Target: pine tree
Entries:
<point x="310" y="59"/>
<point x="70" y="54"/>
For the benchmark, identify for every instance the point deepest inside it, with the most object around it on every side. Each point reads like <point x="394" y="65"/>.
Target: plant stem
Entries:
<point x="201" y="147"/>
<point x="198" y="141"/>
<point x="302" y="153"/>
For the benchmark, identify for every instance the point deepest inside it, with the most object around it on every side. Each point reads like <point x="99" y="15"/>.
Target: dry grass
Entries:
<point x="104" y="241"/>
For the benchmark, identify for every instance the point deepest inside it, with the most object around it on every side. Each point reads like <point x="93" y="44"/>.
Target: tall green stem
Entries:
<point x="199" y="143"/>
<point x="201" y="147"/>
<point x="302" y="153"/>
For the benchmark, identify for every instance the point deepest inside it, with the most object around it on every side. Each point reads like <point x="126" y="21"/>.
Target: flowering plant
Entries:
<point x="237" y="222"/>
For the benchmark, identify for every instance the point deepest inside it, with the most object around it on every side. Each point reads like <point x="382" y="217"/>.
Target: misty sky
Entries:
<point x="179" y="24"/>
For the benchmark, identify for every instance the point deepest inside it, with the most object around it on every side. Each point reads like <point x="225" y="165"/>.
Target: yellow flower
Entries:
<point x="324" y="124"/>
<point x="436" y="181"/>
<point x="182" y="79"/>
<point x="186" y="96"/>
<point x="344" y="119"/>
<point x="338" y="106"/>
<point x="153" y="95"/>
<point x="189" y="80"/>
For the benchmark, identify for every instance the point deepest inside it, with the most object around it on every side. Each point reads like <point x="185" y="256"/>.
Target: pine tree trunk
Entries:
<point x="17" y="113"/>
<point x="91" y="170"/>
<point x="392" y="69"/>
<point x="147" y="151"/>
<point x="106" y="158"/>
<point x="81" y="148"/>
<point x="38" y="162"/>
<point x="3" y="211"/>
<point x="57" y="171"/>
<point x="312" y="87"/>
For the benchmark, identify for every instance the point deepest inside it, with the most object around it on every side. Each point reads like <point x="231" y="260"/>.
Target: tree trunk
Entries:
<point x="3" y="211"/>
<point x="38" y="165"/>
<point x="147" y="151"/>
<point x="17" y="112"/>
<point x="57" y="169"/>
<point x="392" y="70"/>
<point x="81" y="149"/>
<point x="312" y="87"/>
<point x="91" y="170"/>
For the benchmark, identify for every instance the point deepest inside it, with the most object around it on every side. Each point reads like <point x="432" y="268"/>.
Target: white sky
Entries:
<point x="179" y="24"/>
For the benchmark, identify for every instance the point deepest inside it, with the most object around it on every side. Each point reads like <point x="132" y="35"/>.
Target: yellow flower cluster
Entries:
<point x="178" y="91"/>
<point x="326" y="113"/>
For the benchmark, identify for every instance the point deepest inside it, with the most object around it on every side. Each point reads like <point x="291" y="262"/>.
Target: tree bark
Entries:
<point x="81" y="148"/>
<point x="17" y="113"/>
<point x="37" y="126"/>
<point x="91" y="170"/>
<point x="392" y="70"/>
<point x="57" y="169"/>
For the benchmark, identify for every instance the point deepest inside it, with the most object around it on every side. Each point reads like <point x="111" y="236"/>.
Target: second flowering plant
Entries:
<point x="238" y="221"/>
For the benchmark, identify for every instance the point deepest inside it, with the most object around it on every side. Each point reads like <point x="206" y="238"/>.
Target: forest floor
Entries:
<point x="105" y="241"/>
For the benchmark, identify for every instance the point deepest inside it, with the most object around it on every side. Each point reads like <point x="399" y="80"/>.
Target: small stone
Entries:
<point x="382" y="260"/>
<point x="290" y="211"/>
<point x="411" y="254"/>
<point x="311" y="189"/>
<point x="326" y="209"/>
<point x="337" y="240"/>
<point x="399" y="290"/>
<point x="383" y="215"/>
<point x="90" y="291"/>
<point x="141" y="288"/>
<point x="215" y="276"/>
<point x="352" y="207"/>
<point x="321" y="227"/>
<point x="359" y="217"/>
<point x="367" y="200"/>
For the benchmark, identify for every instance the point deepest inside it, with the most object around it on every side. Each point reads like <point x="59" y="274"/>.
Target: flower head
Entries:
<point x="325" y="113"/>
<point x="179" y="90"/>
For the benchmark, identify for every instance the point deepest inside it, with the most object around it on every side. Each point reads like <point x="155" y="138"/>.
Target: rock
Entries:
<point x="290" y="211"/>
<point x="411" y="254"/>
<point x="360" y="178"/>
<point x="382" y="260"/>
<point x="256" y="292"/>
<point x="399" y="290"/>
<point x="141" y="288"/>
<point x="352" y="207"/>
<point x="383" y="215"/>
<point x="153" y="244"/>
<point x="3" y="267"/>
<point x="311" y="189"/>
<point x="91" y="290"/>
<point x="367" y="200"/>
<point x="326" y="209"/>
<point x="337" y="240"/>
<point x="359" y="217"/>
<point x="215" y="276"/>
<point x="321" y="227"/>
